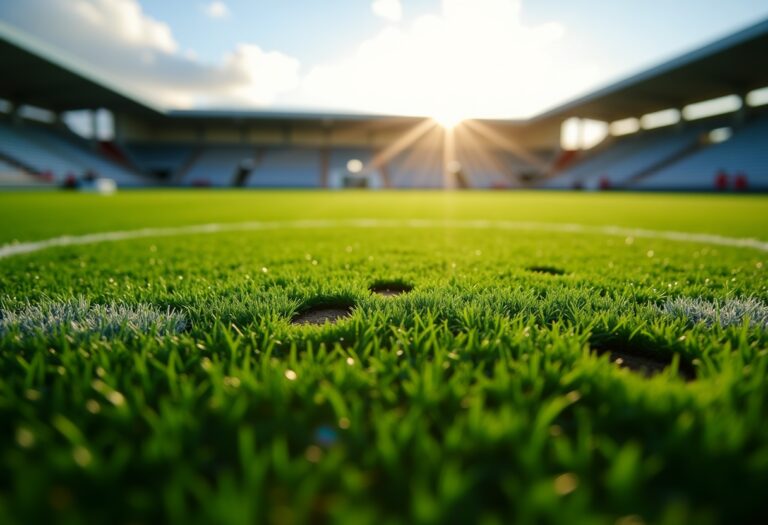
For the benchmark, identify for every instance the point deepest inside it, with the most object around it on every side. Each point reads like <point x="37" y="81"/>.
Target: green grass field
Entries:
<point x="542" y="368"/>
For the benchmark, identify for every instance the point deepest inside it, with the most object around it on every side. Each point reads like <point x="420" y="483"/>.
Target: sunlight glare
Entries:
<point x="448" y="119"/>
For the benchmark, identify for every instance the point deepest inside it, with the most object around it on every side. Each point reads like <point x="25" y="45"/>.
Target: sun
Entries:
<point x="449" y="119"/>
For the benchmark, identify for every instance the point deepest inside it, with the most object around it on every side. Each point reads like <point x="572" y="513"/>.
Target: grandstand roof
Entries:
<point x="37" y="74"/>
<point x="308" y="117"/>
<point x="735" y="64"/>
<point x="269" y="115"/>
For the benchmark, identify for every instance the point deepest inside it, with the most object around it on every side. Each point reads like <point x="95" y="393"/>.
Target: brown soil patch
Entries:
<point x="390" y="289"/>
<point x="646" y="364"/>
<point x="550" y="270"/>
<point x="321" y="315"/>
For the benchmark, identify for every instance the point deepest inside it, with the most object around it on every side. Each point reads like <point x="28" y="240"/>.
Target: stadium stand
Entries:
<point x="672" y="158"/>
<point x="619" y="161"/>
<point x="491" y="170"/>
<point x="338" y="158"/>
<point x="163" y="161"/>
<point x="271" y="166"/>
<point x="17" y="144"/>
<point x="11" y="175"/>
<point x="515" y="172"/>
<point x="744" y="154"/>
<point x="216" y="166"/>
<point x="50" y="151"/>
<point x="88" y="159"/>
<point x="286" y="168"/>
<point x="261" y="149"/>
<point x="418" y="167"/>
<point x="482" y="168"/>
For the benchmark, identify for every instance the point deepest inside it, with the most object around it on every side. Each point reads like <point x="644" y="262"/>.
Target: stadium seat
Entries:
<point x="744" y="154"/>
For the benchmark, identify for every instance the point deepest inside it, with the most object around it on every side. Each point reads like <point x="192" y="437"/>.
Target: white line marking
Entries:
<point x="10" y="250"/>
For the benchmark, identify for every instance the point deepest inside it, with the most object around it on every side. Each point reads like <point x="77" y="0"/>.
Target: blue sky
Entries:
<point x="628" y="33"/>
<point x="313" y="30"/>
<point x="499" y="58"/>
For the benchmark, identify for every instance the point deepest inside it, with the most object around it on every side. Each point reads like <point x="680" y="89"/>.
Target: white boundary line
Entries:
<point x="11" y="250"/>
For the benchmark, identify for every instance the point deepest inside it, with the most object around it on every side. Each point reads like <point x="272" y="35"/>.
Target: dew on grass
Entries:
<point x="390" y="289"/>
<point x="82" y="456"/>
<point x="313" y="454"/>
<point x="232" y="381"/>
<point x="566" y="483"/>
<point x="573" y="396"/>
<point x="116" y="398"/>
<point x="24" y="437"/>
<point x="550" y="270"/>
<point x="32" y="394"/>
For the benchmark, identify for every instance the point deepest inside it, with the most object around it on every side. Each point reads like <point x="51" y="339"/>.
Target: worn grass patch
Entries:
<point x="81" y="317"/>
<point x="321" y="314"/>
<point x="550" y="270"/>
<point x="390" y="288"/>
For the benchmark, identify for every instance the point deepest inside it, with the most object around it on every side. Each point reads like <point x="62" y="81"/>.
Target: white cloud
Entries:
<point x="476" y="58"/>
<point x="124" y="18"/>
<point x="473" y="58"/>
<point x="258" y="76"/>
<point x="390" y="10"/>
<point x="217" y="9"/>
<point x="141" y="55"/>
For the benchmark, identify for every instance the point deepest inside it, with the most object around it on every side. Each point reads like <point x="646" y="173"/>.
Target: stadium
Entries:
<point x="694" y="123"/>
<point x="253" y="314"/>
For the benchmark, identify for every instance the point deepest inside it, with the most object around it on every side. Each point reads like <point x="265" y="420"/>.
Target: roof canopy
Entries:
<point x="736" y="64"/>
<point x="35" y="73"/>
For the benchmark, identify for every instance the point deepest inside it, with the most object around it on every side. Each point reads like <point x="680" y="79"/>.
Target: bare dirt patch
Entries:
<point x="390" y="289"/>
<point x="646" y="363"/>
<point x="549" y="270"/>
<point x="322" y="314"/>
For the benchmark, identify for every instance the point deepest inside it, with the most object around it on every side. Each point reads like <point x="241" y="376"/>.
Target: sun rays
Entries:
<point x="452" y="152"/>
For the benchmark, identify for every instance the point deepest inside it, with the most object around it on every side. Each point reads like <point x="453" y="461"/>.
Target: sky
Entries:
<point x="445" y="58"/>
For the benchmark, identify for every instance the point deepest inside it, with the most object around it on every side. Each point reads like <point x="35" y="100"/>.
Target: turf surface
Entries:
<point x="162" y="379"/>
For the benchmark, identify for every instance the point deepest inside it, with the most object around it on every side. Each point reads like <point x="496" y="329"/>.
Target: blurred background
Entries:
<point x="454" y="94"/>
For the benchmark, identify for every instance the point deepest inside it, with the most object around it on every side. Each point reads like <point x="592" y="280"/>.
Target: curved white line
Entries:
<point x="10" y="250"/>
